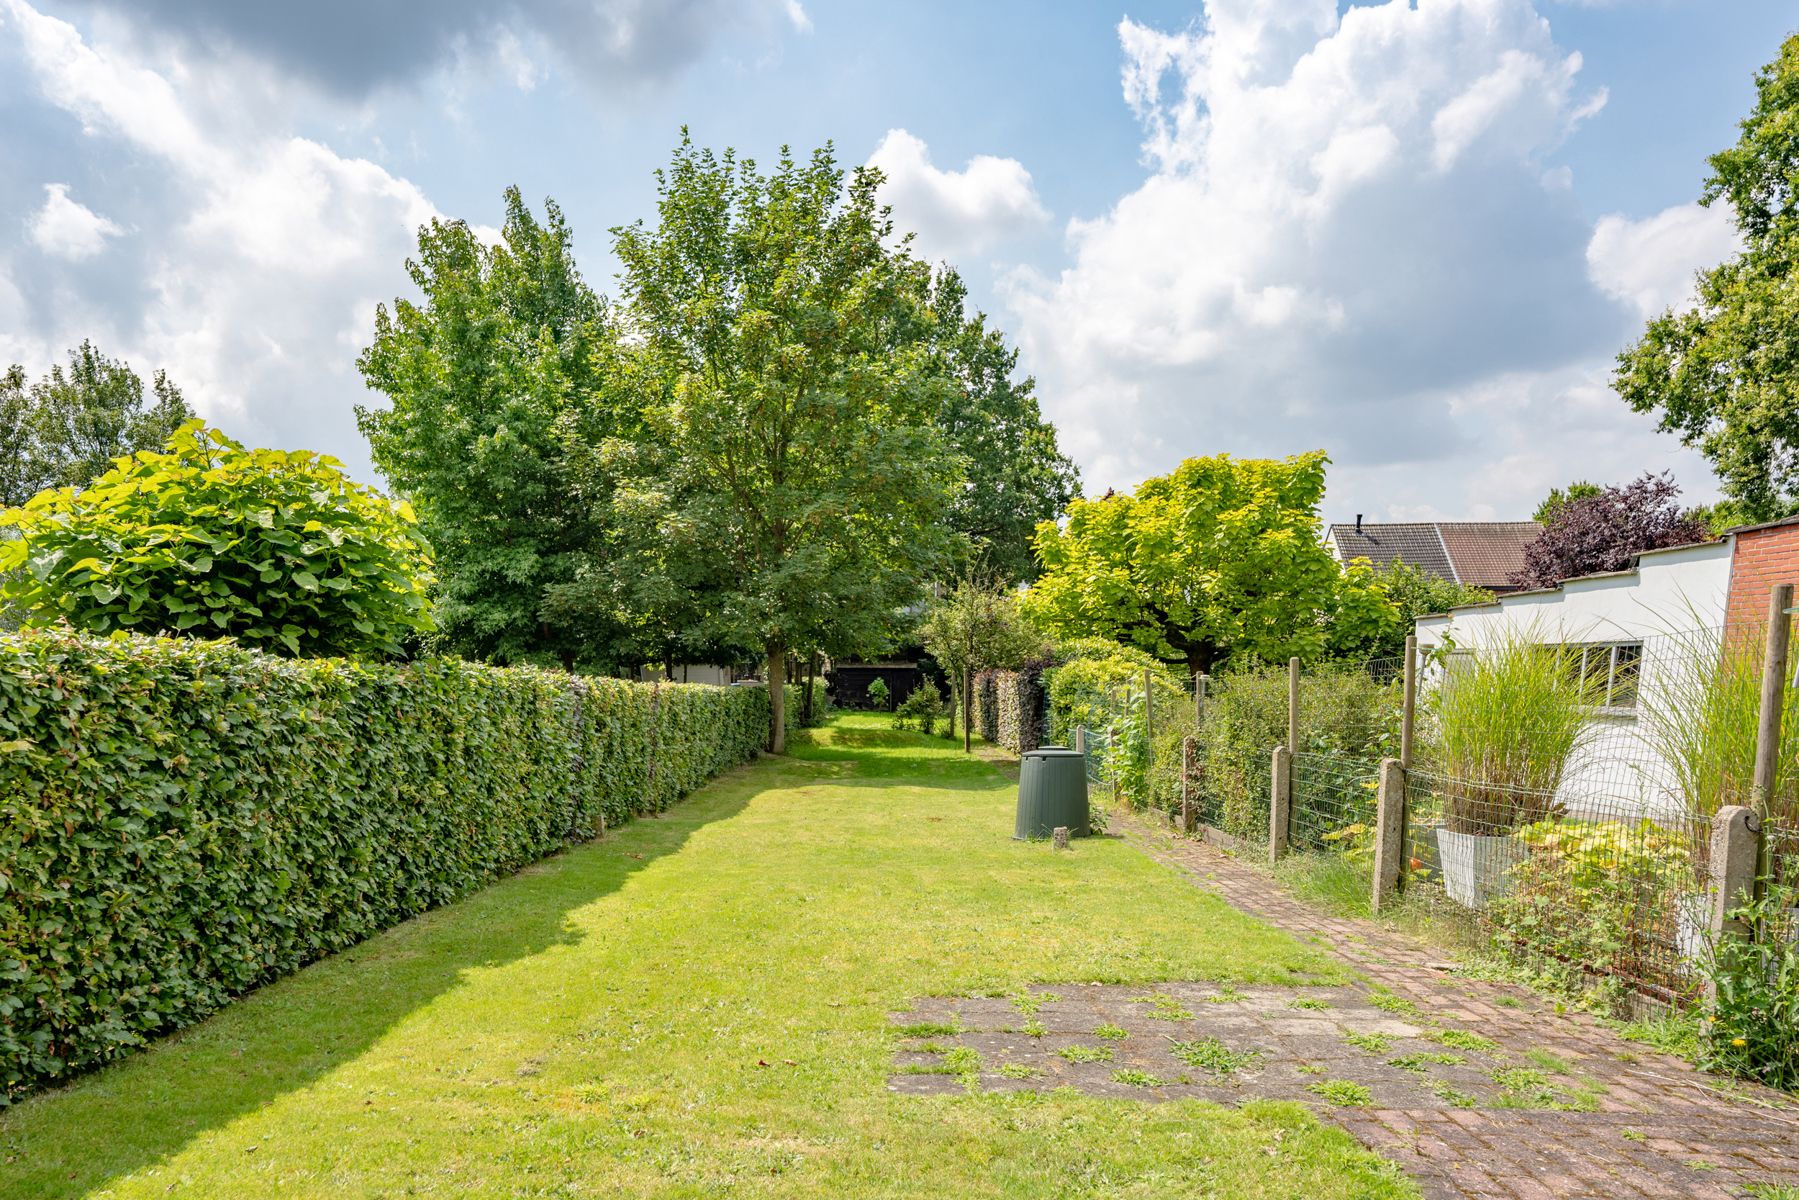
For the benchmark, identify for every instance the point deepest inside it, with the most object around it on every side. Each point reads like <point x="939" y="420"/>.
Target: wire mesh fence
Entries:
<point x="1561" y="794"/>
<point x="1333" y="808"/>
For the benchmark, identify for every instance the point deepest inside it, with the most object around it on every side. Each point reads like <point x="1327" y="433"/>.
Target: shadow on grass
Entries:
<point x="282" y="1037"/>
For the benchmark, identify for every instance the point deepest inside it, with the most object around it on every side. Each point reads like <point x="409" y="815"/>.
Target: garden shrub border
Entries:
<point x="185" y="820"/>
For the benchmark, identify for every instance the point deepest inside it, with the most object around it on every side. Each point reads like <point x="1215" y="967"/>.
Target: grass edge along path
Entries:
<point x="698" y="1005"/>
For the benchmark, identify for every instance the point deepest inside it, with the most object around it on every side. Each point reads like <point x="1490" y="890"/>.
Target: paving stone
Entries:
<point x="1747" y="1134"/>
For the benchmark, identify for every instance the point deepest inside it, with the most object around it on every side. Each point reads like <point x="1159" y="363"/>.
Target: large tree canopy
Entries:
<point x="791" y="469"/>
<point x="65" y="429"/>
<point x="1220" y="558"/>
<point x="1725" y="374"/>
<point x="504" y="349"/>
<point x="1016" y="474"/>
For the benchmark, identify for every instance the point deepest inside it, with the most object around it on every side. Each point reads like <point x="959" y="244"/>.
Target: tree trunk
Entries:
<point x="967" y="710"/>
<point x="811" y="676"/>
<point x="777" y="697"/>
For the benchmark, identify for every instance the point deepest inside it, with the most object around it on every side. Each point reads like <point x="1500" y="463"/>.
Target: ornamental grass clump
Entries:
<point x="1507" y="717"/>
<point x="1702" y="717"/>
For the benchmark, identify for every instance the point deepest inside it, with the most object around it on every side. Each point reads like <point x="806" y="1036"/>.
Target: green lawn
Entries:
<point x="697" y="1006"/>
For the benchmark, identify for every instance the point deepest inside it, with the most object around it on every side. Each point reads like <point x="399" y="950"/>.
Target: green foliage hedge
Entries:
<point x="183" y="820"/>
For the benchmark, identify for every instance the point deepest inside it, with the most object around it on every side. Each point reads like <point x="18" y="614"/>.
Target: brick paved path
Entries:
<point x="1661" y="1128"/>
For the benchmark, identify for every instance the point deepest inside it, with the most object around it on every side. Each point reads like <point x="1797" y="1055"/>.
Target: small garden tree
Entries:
<point x="1220" y="557"/>
<point x="1601" y="532"/>
<point x="279" y="549"/>
<point x="977" y="627"/>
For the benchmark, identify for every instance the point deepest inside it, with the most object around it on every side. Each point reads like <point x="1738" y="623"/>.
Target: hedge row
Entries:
<point x="1022" y="702"/>
<point x="182" y="820"/>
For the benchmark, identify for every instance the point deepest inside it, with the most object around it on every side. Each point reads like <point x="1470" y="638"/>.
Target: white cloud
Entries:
<point x="1649" y="264"/>
<point x="1352" y="234"/>
<point x="955" y="212"/>
<point x="67" y="228"/>
<point x="272" y="246"/>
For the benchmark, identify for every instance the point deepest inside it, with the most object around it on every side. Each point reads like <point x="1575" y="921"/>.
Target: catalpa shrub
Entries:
<point x="276" y="548"/>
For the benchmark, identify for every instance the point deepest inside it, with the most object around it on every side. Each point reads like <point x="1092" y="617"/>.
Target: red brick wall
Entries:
<point x="1763" y="558"/>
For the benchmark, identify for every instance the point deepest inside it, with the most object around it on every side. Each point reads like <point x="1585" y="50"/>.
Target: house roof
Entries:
<point x="1417" y="544"/>
<point x="1488" y="553"/>
<point x="1480" y="553"/>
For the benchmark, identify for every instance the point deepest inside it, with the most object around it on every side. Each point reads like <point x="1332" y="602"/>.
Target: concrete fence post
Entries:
<point x="1280" y="803"/>
<point x="1080" y="738"/>
<point x="1735" y="851"/>
<point x="1389" y="833"/>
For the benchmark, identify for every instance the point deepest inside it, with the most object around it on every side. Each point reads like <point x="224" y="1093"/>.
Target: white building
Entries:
<point x="1634" y="629"/>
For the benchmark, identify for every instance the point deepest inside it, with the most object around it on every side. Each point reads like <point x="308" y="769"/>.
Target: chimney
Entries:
<point x="1358" y="524"/>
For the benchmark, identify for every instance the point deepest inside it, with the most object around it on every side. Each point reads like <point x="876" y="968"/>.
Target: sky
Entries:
<point x="1415" y="234"/>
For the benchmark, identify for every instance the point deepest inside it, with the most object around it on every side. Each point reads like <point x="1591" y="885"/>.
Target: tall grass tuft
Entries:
<point x="1702" y="714"/>
<point x="1506" y="719"/>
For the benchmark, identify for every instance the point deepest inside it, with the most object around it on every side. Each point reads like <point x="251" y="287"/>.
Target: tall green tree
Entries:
<point x="1580" y="489"/>
<point x="1725" y="374"/>
<point x="506" y="347"/>
<point x="1016" y="474"/>
<point x="65" y="429"/>
<point x="1222" y="557"/>
<point x="790" y="463"/>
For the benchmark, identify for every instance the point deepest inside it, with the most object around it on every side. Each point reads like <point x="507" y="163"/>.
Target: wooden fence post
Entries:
<point x="1408" y="712"/>
<point x="1080" y="738"/>
<point x="1187" y="821"/>
<point x="1773" y="699"/>
<point x="1389" y="832"/>
<point x="1280" y="802"/>
<point x="1293" y="705"/>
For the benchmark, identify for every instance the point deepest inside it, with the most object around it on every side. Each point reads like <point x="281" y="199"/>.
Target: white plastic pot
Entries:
<point x="1475" y="865"/>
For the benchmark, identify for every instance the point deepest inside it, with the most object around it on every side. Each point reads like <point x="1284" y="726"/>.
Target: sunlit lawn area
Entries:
<point x="697" y="1005"/>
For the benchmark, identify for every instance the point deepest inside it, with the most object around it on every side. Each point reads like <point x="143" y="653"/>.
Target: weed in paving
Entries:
<point x="1112" y="1033"/>
<point x="1018" y="1071"/>
<point x="1308" y="1002"/>
<point x="1453" y="1097"/>
<point x="1029" y="1002"/>
<point x="1086" y="1054"/>
<point x="1226" y="994"/>
<point x="1461" y="1039"/>
<point x="1387" y="1002"/>
<point x="1373" y="1043"/>
<point x="1555" y="1064"/>
<point x="1210" y="1054"/>
<point x="926" y="1029"/>
<point x="963" y="1061"/>
<point x="1163" y="1007"/>
<point x="1419" y="1062"/>
<point x="1135" y="1078"/>
<point x="1524" y="1087"/>
<point x="1342" y="1093"/>
<point x="1034" y="1028"/>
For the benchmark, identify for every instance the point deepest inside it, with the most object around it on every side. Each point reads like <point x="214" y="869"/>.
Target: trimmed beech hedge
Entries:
<point x="183" y="820"/>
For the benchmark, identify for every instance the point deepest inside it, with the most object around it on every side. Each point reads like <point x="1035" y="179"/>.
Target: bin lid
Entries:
<point x="1052" y="752"/>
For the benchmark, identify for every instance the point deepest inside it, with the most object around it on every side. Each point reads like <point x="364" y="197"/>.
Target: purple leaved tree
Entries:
<point x="1602" y="532"/>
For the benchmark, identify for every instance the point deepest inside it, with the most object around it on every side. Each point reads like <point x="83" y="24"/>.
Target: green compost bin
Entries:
<point x="1052" y="792"/>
